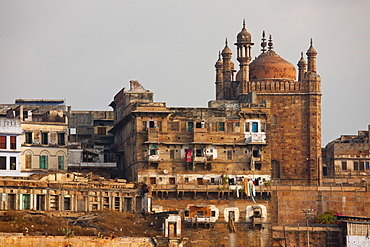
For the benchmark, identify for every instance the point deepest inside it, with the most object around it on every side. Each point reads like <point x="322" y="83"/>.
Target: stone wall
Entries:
<point x="60" y="241"/>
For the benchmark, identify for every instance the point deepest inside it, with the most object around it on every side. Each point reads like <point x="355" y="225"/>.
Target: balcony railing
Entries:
<point x="255" y="137"/>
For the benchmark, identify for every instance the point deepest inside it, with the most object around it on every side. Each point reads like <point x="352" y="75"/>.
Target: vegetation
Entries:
<point x="327" y="218"/>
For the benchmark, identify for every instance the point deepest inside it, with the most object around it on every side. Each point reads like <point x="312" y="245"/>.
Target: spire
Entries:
<point x="263" y="44"/>
<point x="243" y="23"/>
<point x="270" y="44"/>
<point x="311" y="57"/>
<point x="301" y="67"/>
<point x="226" y="51"/>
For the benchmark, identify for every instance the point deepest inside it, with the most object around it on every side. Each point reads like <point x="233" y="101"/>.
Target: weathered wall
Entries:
<point x="220" y="233"/>
<point x="288" y="201"/>
<point x="297" y="236"/>
<point x="60" y="241"/>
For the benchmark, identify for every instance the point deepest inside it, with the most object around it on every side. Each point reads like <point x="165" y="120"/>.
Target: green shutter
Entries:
<point x="61" y="162"/>
<point x="43" y="162"/>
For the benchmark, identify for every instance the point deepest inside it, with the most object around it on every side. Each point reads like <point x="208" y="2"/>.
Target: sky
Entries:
<point x="85" y="51"/>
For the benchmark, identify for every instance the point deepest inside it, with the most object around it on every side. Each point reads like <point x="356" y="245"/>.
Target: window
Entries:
<point x="355" y="166"/>
<point x="43" y="162"/>
<point x="144" y="125"/>
<point x="198" y="125"/>
<point x="229" y="154"/>
<point x="2" y="142"/>
<point x="151" y="124"/>
<point x="186" y="180"/>
<point x="344" y="165"/>
<point x="263" y="127"/>
<point x="61" y="162"/>
<point x="153" y="150"/>
<point x="28" y="161"/>
<point x="213" y="213"/>
<point x="367" y="165"/>
<point x="172" y="180"/>
<point x="13" y="142"/>
<point x="45" y="138"/>
<point x="275" y="169"/>
<point x="212" y="180"/>
<point x="199" y="153"/>
<point x="254" y="127"/>
<point x="274" y="119"/>
<point x="2" y="162"/>
<point x="190" y="126"/>
<point x="187" y="213"/>
<point x="258" y="166"/>
<point x="172" y="154"/>
<point x="256" y="152"/>
<point x="61" y="139"/>
<point x="13" y="163"/>
<point x="200" y="214"/>
<point x="221" y="126"/>
<point x="247" y="128"/>
<point x="362" y="166"/>
<point x="29" y="139"/>
<point x="102" y="131"/>
<point x="153" y="180"/>
<point x="174" y="126"/>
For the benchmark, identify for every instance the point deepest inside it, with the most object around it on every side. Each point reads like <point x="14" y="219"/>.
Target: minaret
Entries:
<point x="301" y="67"/>
<point x="219" y="78"/>
<point x="227" y="73"/>
<point x="226" y="64"/>
<point x="244" y="56"/>
<point x="311" y="57"/>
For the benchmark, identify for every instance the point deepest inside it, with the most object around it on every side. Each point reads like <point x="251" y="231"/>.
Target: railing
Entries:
<point x="94" y="164"/>
<point x="255" y="137"/>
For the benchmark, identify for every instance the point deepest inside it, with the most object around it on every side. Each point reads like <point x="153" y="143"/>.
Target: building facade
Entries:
<point x="348" y="156"/>
<point x="44" y="125"/>
<point x="89" y="142"/>
<point x="10" y="147"/>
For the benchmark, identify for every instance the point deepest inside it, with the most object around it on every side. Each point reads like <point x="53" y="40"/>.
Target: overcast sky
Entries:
<point x="86" y="51"/>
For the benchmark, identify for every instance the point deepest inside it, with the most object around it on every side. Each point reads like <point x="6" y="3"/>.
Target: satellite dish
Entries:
<point x="165" y="171"/>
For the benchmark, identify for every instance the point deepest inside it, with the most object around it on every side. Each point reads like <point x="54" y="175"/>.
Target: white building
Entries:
<point x="10" y="147"/>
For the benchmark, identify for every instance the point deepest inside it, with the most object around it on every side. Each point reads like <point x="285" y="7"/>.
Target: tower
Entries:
<point x="244" y="56"/>
<point x="294" y="123"/>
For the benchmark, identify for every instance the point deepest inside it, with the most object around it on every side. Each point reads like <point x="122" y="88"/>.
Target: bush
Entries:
<point x="327" y="218"/>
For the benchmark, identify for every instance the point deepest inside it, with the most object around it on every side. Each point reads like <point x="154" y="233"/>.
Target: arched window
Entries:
<point x="275" y="169"/>
<point x="274" y="119"/>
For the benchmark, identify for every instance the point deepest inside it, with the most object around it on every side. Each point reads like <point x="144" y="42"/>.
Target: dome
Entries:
<point x="301" y="62"/>
<point x="244" y="36"/>
<point x="269" y="65"/>
<point x="226" y="50"/>
<point x="311" y="51"/>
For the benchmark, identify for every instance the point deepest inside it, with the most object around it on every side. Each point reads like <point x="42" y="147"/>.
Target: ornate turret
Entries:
<point x="219" y="77"/>
<point x="311" y="57"/>
<point x="301" y="67"/>
<point x="228" y="66"/>
<point x="244" y="56"/>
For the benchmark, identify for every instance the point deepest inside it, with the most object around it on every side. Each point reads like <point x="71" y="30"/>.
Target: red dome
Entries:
<point x="269" y="65"/>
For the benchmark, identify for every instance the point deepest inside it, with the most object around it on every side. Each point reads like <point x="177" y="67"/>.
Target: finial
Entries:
<point x="219" y="54"/>
<point x="301" y="54"/>
<point x="263" y="44"/>
<point x="243" y="23"/>
<point x="270" y="44"/>
<point x="311" y="42"/>
<point x="226" y="42"/>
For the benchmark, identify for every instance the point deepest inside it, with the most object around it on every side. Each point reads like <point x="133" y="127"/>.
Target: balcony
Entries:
<point x="255" y="137"/>
<point x="153" y="158"/>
